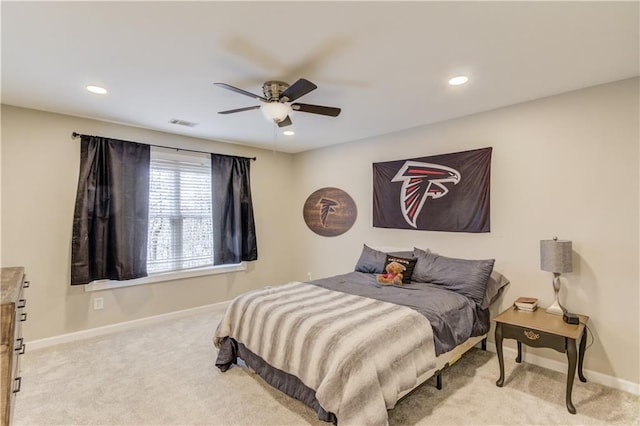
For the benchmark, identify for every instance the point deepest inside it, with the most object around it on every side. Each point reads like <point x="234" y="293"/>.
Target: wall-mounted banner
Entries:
<point x="448" y="192"/>
<point x="329" y="212"/>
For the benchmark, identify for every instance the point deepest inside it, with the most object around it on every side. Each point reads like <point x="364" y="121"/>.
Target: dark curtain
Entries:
<point x="112" y="211"/>
<point x="234" y="231"/>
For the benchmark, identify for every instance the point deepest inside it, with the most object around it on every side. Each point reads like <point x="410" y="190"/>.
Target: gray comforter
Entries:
<point x="453" y="317"/>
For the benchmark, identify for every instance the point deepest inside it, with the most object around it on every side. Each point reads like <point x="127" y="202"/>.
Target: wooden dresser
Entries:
<point x="12" y="316"/>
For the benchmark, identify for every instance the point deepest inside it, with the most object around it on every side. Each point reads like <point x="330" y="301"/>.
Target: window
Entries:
<point x="180" y="223"/>
<point x="192" y="214"/>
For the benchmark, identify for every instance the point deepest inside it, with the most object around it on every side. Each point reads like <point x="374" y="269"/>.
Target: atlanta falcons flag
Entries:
<point x="448" y="192"/>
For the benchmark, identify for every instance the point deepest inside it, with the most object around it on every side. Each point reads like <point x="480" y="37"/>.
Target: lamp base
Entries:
<point x="556" y="308"/>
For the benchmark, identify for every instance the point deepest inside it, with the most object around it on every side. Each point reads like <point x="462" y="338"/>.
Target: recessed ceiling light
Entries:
<point x="97" y="90"/>
<point x="456" y="81"/>
<point x="289" y="133"/>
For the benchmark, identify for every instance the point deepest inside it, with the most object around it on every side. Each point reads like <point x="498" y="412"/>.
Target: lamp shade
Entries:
<point x="555" y="256"/>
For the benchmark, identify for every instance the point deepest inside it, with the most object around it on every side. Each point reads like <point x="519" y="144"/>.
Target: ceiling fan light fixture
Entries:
<point x="288" y="133"/>
<point x="275" y="111"/>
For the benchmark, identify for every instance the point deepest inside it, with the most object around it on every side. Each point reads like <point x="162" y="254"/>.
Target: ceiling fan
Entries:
<point x="276" y="104"/>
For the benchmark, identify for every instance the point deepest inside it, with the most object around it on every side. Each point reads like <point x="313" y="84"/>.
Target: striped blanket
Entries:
<point x="358" y="354"/>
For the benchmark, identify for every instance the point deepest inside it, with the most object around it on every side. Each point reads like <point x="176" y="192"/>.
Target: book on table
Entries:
<point x="526" y="303"/>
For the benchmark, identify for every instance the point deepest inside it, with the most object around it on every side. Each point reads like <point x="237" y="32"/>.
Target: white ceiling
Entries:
<point x="386" y="64"/>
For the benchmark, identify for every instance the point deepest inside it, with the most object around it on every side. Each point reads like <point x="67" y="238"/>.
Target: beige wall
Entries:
<point x="565" y="165"/>
<point x="40" y="163"/>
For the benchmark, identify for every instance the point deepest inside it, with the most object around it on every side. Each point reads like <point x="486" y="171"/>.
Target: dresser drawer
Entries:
<point x="533" y="337"/>
<point x="12" y="344"/>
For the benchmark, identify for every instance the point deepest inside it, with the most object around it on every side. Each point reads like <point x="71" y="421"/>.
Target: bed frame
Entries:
<point x="446" y="360"/>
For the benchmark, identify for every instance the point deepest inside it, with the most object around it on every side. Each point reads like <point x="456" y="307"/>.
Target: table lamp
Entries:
<point x="555" y="256"/>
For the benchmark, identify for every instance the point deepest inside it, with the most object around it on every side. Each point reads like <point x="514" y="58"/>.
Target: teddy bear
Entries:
<point x="393" y="275"/>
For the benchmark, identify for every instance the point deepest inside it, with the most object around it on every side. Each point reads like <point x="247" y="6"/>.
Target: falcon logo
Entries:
<point x="419" y="182"/>
<point x="327" y="206"/>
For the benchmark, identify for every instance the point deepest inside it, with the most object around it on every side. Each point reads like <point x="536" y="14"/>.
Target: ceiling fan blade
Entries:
<point x="242" y="92"/>
<point x="286" y="122"/>
<point x="296" y="90"/>
<point x="317" y="109"/>
<point x="231" y="111"/>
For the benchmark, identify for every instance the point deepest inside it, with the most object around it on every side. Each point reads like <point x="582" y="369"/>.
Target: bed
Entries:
<point x="351" y="347"/>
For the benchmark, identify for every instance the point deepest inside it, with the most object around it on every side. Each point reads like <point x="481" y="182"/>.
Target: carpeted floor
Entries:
<point x="164" y="374"/>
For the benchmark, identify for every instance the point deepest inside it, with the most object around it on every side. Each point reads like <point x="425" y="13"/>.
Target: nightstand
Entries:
<point x="542" y="330"/>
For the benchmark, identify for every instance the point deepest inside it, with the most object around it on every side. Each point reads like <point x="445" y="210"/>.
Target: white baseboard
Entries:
<point x="592" y="376"/>
<point x="119" y="327"/>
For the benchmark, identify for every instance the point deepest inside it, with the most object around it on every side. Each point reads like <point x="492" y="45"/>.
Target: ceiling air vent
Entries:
<point x="182" y="122"/>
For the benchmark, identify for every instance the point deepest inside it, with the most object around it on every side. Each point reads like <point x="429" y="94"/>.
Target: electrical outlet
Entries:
<point x="308" y="276"/>
<point x="98" y="303"/>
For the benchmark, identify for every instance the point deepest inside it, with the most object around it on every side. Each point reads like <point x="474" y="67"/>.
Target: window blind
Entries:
<point x="180" y="223"/>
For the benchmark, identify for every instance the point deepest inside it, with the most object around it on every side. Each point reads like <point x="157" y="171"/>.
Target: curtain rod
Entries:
<point x="76" y="134"/>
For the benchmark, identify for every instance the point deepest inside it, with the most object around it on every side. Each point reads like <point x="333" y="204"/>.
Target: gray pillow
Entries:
<point x="495" y="287"/>
<point x="467" y="277"/>
<point x="371" y="261"/>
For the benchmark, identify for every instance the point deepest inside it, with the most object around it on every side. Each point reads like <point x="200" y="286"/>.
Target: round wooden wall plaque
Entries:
<point x="329" y="212"/>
